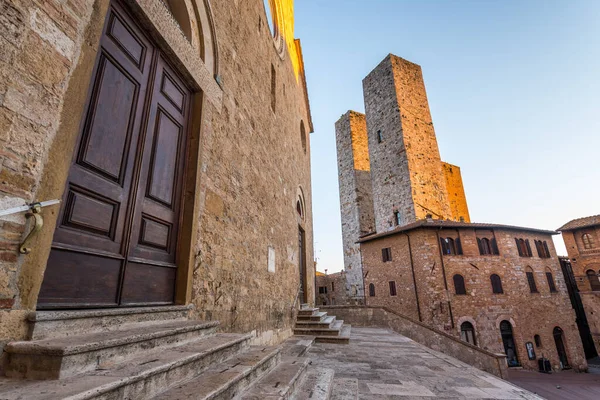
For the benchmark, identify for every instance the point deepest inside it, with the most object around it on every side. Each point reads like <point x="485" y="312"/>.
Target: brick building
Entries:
<point x="498" y="287"/>
<point x="176" y="135"/>
<point x="582" y="239"/>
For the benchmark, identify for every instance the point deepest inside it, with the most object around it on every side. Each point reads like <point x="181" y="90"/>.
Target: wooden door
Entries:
<point x="302" y="264"/>
<point x="116" y="234"/>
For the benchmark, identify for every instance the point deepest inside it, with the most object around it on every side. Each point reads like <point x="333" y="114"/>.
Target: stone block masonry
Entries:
<point x="356" y="201"/>
<point x="406" y="169"/>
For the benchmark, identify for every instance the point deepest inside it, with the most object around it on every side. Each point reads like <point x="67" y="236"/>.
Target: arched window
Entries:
<point x="523" y="247"/>
<point x="542" y="249"/>
<point x="467" y="333"/>
<point x="550" y="279"/>
<point x="593" y="278"/>
<point x="496" y="284"/>
<point x="531" y="280"/>
<point x="303" y="136"/>
<point x="588" y="242"/>
<point x="538" y="341"/>
<point x="451" y="246"/>
<point x="459" y="284"/>
<point x="484" y="246"/>
<point x="371" y="290"/>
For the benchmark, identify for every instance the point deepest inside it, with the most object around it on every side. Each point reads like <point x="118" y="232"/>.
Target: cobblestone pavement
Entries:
<point x="381" y="364"/>
<point x="562" y="385"/>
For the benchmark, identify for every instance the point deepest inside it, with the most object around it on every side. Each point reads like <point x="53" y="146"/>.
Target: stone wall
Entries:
<point x="583" y="260"/>
<point x="456" y="193"/>
<point x="406" y="169"/>
<point x="356" y="201"/>
<point x="440" y="307"/>
<point x="335" y="285"/>
<point x="493" y="363"/>
<point x="249" y="163"/>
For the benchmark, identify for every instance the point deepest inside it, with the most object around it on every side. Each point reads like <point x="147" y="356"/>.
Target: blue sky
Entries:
<point x="513" y="88"/>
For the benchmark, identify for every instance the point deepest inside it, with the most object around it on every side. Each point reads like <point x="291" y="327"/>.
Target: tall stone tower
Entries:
<point x="356" y="201"/>
<point x="408" y="180"/>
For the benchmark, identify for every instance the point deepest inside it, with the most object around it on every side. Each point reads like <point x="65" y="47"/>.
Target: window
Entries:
<point x="593" y="278"/>
<point x="379" y="137"/>
<point x="451" y="246"/>
<point x="333" y="286"/>
<point x="551" y="284"/>
<point x="523" y="247"/>
<point x="496" y="284"/>
<point x="542" y="249"/>
<point x="371" y="290"/>
<point x="303" y="136"/>
<point x="273" y="88"/>
<point x="386" y="254"/>
<point x="322" y="289"/>
<point x="392" y="288"/>
<point x="538" y="341"/>
<point x="459" y="284"/>
<point x="588" y="242"/>
<point x="467" y="333"/>
<point x="487" y="246"/>
<point x="398" y="218"/>
<point x="531" y="281"/>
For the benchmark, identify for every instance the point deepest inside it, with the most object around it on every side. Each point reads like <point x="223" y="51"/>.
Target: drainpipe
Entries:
<point x="412" y="267"/>
<point x="437" y="234"/>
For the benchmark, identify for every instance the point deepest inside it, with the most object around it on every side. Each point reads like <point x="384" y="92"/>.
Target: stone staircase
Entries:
<point x="323" y="327"/>
<point x="155" y="353"/>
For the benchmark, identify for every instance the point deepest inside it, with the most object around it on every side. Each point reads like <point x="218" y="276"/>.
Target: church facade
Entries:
<point x="176" y="135"/>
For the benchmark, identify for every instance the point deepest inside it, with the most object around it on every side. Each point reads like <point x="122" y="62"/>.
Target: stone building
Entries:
<point x="498" y="287"/>
<point x="495" y="286"/>
<point x="582" y="239"/>
<point x="330" y="289"/>
<point x="377" y="190"/>
<point x="176" y="135"/>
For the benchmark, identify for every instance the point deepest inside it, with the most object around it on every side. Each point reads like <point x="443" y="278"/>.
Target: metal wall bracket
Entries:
<point x="36" y="210"/>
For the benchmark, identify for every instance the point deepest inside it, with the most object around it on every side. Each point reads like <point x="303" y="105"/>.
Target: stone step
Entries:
<point x="297" y="346"/>
<point x="313" y="317"/>
<point x="138" y="378"/>
<point x="226" y="380"/>
<point x="307" y="311"/>
<point x="278" y="384"/>
<point x="333" y="330"/>
<point x="53" y="324"/>
<point x="62" y="357"/>
<point x="317" y="385"/>
<point x="343" y="337"/>
<point x="325" y="322"/>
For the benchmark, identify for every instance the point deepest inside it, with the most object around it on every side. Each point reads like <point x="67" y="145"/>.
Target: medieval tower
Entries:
<point x="390" y="170"/>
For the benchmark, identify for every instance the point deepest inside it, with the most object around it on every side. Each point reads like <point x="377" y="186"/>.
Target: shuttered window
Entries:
<point x="371" y="290"/>
<point x="496" y="284"/>
<point x="551" y="284"/>
<point x="386" y="254"/>
<point x="531" y="282"/>
<point x="392" y="288"/>
<point x="459" y="284"/>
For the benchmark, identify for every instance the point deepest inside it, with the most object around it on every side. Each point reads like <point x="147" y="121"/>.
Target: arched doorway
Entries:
<point x="560" y="347"/>
<point x="510" y="348"/>
<point x="467" y="333"/>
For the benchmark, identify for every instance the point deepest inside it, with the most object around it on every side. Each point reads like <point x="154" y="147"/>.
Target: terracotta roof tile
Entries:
<point x="580" y="223"/>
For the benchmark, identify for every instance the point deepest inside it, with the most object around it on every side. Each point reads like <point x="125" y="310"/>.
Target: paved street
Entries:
<point x="381" y="364"/>
<point x="571" y="385"/>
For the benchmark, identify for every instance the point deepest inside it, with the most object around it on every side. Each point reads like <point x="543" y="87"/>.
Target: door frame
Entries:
<point x="206" y="96"/>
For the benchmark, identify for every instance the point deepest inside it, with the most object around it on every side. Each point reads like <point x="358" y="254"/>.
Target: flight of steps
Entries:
<point x="153" y="353"/>
<point x="325" y="328"/>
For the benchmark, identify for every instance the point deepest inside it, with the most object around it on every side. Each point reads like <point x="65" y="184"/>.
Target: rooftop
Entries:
<point x="578" y="223"/>
<point x="437" y="223"/>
